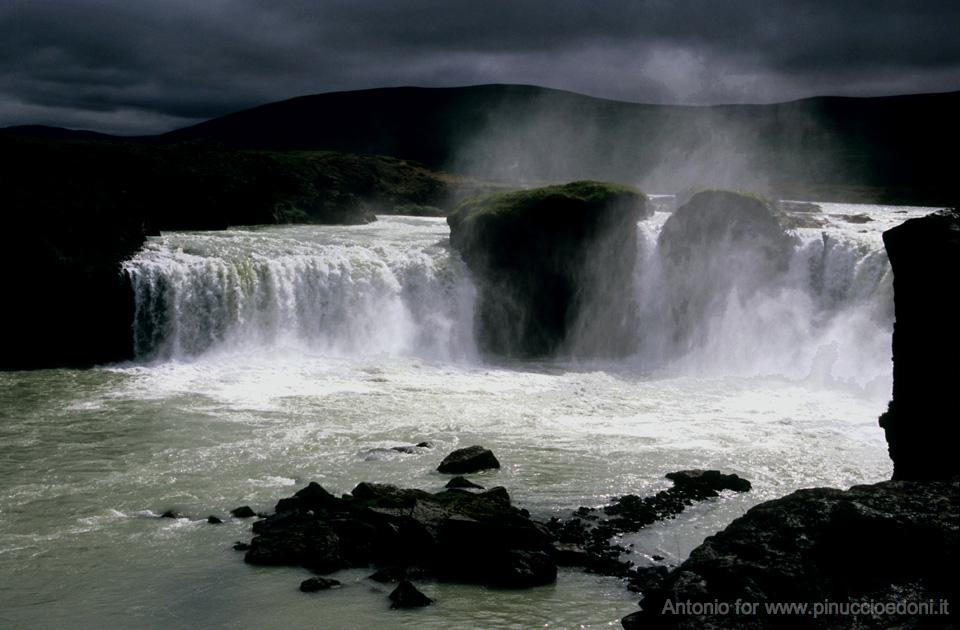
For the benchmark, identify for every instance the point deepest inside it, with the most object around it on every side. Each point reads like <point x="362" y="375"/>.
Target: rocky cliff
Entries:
<point x="923" y="422"/>
<point x="537" y="253"/>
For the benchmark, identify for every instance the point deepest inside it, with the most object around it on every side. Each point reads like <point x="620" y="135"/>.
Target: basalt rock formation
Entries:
<point x="462" y="536"/>
<point x="739" y="229"/>
<point x="922" y="424"/>
<point x="537" y="254"/>
<point x="895" y="542"/>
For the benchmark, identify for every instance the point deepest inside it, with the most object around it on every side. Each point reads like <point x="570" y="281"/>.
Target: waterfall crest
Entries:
<point x="392" y="289"/>
<point x="395" y="288"/>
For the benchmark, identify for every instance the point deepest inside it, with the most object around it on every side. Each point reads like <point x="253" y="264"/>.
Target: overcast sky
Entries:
<point x="137" y="66"/>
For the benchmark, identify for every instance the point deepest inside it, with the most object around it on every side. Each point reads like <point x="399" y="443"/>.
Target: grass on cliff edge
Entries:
<point x="592" y="193"/>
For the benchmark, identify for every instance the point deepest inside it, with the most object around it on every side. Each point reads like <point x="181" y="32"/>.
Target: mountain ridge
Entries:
<point x="882" y="149"/>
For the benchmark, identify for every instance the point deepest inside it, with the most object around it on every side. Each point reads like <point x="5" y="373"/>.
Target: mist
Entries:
<point x="558" y="137"/>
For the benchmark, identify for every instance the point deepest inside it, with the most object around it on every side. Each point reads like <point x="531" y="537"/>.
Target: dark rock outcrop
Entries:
<point x="539" y="254"/>
<point x="585" y="538"/>
<point x="406" y="595"/>
<point x="461" y="536"/>
<point x="244" y="511"/>
<point x="892" y="542"/>
<point x="456" y="535"/>
<point x="922" y="424"/>
<point x="462" y="482"/>
<point x="717" y="242"/>
<point x="468" y="460"/>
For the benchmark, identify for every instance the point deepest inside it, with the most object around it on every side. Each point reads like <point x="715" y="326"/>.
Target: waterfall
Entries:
<point x="823" y="311"/>
<point x="392" y="289"/>
<point x="395" y="288"/>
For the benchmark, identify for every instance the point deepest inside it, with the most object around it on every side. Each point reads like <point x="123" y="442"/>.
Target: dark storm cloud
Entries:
<point x="148" y="65"/>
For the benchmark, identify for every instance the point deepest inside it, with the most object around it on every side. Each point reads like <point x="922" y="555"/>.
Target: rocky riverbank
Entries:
<point x="461" y="535"/>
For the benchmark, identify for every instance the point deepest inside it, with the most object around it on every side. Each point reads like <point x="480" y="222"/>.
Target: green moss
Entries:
<point x="519" y="201"/>
<point x="529" y="250"/>
<point x="418" y="210"/>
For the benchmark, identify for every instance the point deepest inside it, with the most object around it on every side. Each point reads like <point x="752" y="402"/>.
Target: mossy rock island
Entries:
<point x="739" y="229"/>
<point x="540" y="256"/>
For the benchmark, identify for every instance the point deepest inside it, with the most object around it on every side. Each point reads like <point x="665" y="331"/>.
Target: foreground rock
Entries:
<point x="539" y="255"/>
<point x="454" y="534"/>
<point x="921" y="425"/>
<point x="406" y="595"/>
<point x="585" y="538"/>
<point x="462" y="482"/>
<point x="459" y="535"/>
<point x="468" y="460"/>
<point x="889" y="543"/>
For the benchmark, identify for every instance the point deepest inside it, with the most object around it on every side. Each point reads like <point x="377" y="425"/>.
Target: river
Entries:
<point x="273" y="356"/>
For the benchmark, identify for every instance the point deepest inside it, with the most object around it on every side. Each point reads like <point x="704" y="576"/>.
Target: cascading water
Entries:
<point x="272" y="357"/>
<point x="826" y="315"/>
<point x="395" y="289"/>
<point x="315" y="290"/>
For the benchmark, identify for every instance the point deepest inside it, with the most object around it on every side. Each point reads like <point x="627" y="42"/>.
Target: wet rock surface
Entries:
<point x="585" y="538"/>
<point x="243" y="511"/>
<point x="461" y="535"/>
<point x="921" y="424"/>
<point x="462" y="482"/>
<point x="406" y="595"/>
<point x="468" y="460"/>
<point x="822" y="545"/>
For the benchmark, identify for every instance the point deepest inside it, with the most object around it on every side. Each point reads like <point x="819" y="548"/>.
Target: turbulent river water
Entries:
<point x="270" y="357"/>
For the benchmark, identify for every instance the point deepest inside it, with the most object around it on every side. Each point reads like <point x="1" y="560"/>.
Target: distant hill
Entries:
<point x="45" y="132"/>
<point x="890" y="148"/>
<point x="896" y="148"/>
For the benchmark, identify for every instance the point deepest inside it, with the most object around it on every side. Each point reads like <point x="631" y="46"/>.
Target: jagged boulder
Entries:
<point x="892" y="542"/>
<point x="456" y="534"/>
<point x="406" y="595"/>
<point x="922" y="424"/>
<point x="537" y="256"/>
<point x="468" y="460"/>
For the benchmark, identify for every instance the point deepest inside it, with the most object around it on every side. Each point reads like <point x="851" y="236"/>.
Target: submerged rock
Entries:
<point x="243" y="511"/>
<point x="388" y="575"/>
<point x="214" y="520"/>
<point x="468" y="460"/>
<point x="921" y="424"/>
<point x="462" y="482"/>
<point x="406" y="595"/>
<point x="314" y="584"/>
<point x="892" y="542"/>
<point x="173" y="514"/>
<point x="540" y="257"/>
<point x="708" y="482"/>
